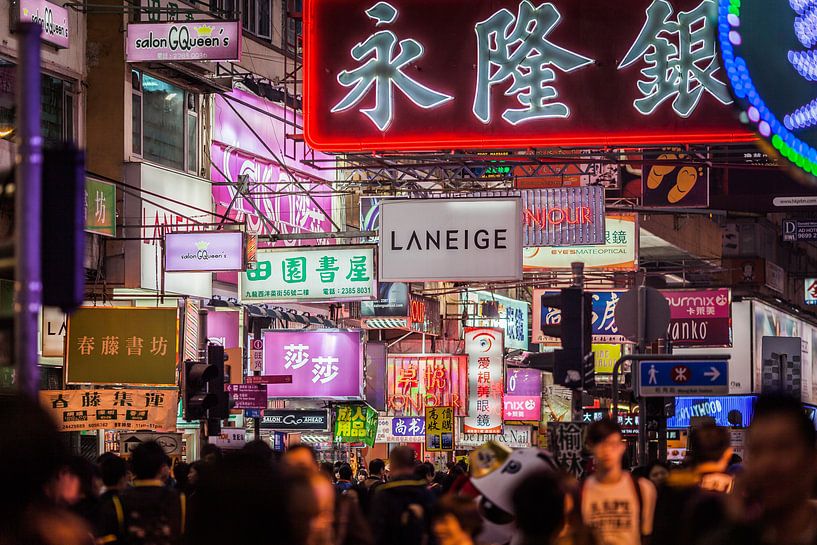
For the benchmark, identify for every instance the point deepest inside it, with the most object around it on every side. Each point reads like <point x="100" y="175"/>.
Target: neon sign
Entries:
<point x="512" y="73"/>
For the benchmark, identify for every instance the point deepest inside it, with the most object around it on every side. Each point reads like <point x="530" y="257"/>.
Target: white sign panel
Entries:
<point x="310" y="274"/>
<point x="204" y="251"/>
<point x="513" y="317"/>
<point x="53" y="333"/>
<point x="450" y="240"/>
<point x="230" y="438"/>
<point x="486" y="380"/>
<point x="511" y="436"/>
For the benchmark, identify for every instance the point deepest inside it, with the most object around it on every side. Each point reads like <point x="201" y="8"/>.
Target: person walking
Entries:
<point x="344" y="483"/>
<point x="400" y="511"/>
<point x="456" y="521"/>
<point x="616" y="505"/>
<point x="149" y="513"/>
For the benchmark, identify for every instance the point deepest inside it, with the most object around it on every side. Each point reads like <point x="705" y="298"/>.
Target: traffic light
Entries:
<point x="216" y="358"/>
<point x="573" y="365"/>
<point x="196" y="396"/>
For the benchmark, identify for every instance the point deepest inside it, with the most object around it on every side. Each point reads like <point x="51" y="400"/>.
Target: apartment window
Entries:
<point x="165" y="123"/>
<point x="256" y="17"/>
<point x="57" y="99"/>
<point x="225" y="9"/>
<point x="294" y="26"/>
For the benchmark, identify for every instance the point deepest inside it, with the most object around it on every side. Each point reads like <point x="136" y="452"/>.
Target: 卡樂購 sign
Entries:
<point x="426" y="240"/>
<point x="52" y="18"/>
<point x="512" y="73"/>
<point x="204" y="251"/>
<point x="184" y="41"/>
<point x="317" y="274"/>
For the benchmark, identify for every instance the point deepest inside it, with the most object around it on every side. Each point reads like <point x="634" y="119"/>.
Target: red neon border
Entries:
<point x="446" y="141"/>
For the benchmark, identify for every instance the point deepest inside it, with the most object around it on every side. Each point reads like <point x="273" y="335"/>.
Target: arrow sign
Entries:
<point x="714" y="373"/>
<point x="682" y="378"/>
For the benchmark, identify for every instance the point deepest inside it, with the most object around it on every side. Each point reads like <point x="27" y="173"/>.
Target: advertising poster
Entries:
<point x="131" y="409"/>
<point x="439" y="429"/>
<point x="355" y="423"/>
<point x="513" y="316"/>
<point x="485" y="380"/>
<point x="416" y="381"/>
<point x="523" y="395"/>
<point x="566" y="442"/>
<point x="397" y="429"/>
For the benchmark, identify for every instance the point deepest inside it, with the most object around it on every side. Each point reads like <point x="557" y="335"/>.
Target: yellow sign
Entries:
<point x="110" y="345"/>
<point x="78" y="410"/>
<point x="439" y="429"/>
<point x="606" y="356"/>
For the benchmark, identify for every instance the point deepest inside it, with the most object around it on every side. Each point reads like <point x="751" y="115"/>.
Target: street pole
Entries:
<point x="577" y="269"/>
<point x="28" y="210"/>
<point x="641" y="348"/>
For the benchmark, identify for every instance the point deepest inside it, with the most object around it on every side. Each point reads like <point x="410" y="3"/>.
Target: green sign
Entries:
<point x="317" y="273"/>
<point x="100" y="208"/>
<point x="355" y="424"/>
<point x="109" y="345"/>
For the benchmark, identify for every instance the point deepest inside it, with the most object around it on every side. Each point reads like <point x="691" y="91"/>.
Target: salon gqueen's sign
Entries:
<point x="184" y="41"/>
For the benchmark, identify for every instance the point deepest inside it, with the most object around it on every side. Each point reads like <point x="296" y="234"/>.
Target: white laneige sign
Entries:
<point x="450" y="239"/>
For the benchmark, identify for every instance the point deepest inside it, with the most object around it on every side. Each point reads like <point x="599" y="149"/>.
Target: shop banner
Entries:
<point x="565" y="216"/>
<point x="117" y="345"/>
<point x="523" y="395"/>
<point x="416" y="381"/>
<point x="566" y="442"/>
<point x="396" y="429"/>
<point x="439" y="429"/>
<point x="667" y="185"/>
<point x="556" y="404"/>
<point x="604" y="321"/>
<point x="513" y="317"/>
<point x="768" y="321"/>
<point x="606" y="356"/>
<point x="100" y="207"/>
<point x="295" y="420"/>
<point x="247" y="396"/>
<point x="511" y="437"/>
<point x="626" y="420"/>
<point x="222" y="329"/>
<point x="700" y="318"/>
<point x="427" y="240"/>
<point x="331" y="273"/>
<point x="171" y="443"/>
<point x="142" y="409"/>
<point x="739" y="409"/>
<point x="52" y="334"/>
<point x="204" y="251"/>
<point x="184" y="41"/>
<point x="619" y="253"/>
<point x="192" y="325"/>
<point x="269" y="203"/>
<point x="324" y="364"/>
<point x="52" y="18"/>
<point x="392" y="301"/>
<point x="810" y="291"/>
<point x="355" y="424"/>
<point x="485" y="380"/>
<point x="375" y="389"/>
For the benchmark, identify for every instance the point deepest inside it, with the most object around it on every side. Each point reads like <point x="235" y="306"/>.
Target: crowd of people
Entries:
<point x="256" y="497"/>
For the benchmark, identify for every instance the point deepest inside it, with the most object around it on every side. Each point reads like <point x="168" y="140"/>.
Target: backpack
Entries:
<point x="410" y="524"/>
<point x="154" y="517"/>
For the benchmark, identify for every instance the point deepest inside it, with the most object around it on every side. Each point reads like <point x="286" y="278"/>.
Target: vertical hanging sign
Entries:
<point x="486" y="380"/>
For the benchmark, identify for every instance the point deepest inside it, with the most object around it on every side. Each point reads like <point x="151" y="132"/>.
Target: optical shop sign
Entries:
<point x="184" y="41"/>
<point x="317" y="274"/>
<point x="52" y="18"/>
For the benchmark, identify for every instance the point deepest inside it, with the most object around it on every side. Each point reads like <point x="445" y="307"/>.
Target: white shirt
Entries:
<point x="610" y="510"/>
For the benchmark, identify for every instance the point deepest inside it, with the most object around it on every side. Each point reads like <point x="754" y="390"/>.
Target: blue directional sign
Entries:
<point x="683" y="378"/>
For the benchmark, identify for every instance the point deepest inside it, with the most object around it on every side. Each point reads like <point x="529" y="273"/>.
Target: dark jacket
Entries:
<point x="400" y="513"/>
<point x="686" y="513"/>
<point x="147" y="514"/>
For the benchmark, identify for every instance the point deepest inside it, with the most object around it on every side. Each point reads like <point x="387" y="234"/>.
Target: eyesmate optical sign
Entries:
<point x="513" y="74"/>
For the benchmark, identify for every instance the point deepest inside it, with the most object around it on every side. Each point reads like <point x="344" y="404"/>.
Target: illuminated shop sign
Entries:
<point x="425" y="74"/>
<point x="414" y="382"/>
<point x="184" y="41"/>
<point x="52" y="18"/>
<point x="727" y="411"/>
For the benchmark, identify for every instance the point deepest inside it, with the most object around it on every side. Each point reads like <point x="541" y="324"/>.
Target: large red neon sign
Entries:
<point x="442" y="74"/>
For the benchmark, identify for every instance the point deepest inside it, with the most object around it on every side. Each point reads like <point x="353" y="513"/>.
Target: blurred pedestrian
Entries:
<point x="657" y="472"/>
<point x="771" y="500"/>
<point x="456" y="521"/>
<point x="401" y="508"/>
<point x="149" y="513"/>
<point x="344" y="483"/>
<point x="361" y="476"/>
<point x="692" y="504"/>
<point x="365" y="489"/>
<point x="301" y="456"/>
<point x="616" y="505"/>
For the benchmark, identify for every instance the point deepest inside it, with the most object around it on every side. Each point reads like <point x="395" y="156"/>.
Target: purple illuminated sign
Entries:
<point x="204" y="251"/>
<point x="248" y="396"/>
<point x="184" y="41"/>
<point x="52" y="18"/>
<point x="249" y="139"/>
<point x="324" y="364"/>
<point x="222" y="327"/>
<point x="523" y="395"/>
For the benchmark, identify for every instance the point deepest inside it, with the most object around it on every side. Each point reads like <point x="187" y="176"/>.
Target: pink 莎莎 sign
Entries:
<point x="52" y="18"/>
<point x="184" y="41"/>
<point x="322" y="364"/>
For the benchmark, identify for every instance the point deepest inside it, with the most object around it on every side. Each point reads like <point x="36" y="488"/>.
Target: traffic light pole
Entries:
<point x="28" y="210"/>
<point x="577" y="269"/>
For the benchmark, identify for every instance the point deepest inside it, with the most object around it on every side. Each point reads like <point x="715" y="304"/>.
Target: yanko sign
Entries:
<point x="513" y="73"/>
<point x="184" y="41"/>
